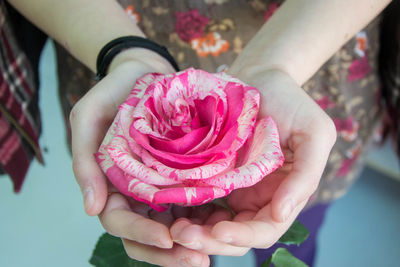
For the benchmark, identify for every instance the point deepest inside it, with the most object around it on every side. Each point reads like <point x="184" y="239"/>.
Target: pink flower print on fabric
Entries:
<point x="358" y="69"/>
<point x="190" y="25"/>
<point x="361" y="43"/>
<point x="178" y="137"/>
<point x="130" y="10"/>
<point x="347" y="128"/>
<point x="272" y="8"/>
<point x="325" y="103"/>
<point x="211" y="44"/>
<point x="351" y="157"/>
<point x="355" y="150"/>
<point x="216" y="2"/>
<point x="346" y="167"/>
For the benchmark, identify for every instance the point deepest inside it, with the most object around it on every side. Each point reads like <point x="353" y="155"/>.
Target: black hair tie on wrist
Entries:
<point x="112" y="48"/>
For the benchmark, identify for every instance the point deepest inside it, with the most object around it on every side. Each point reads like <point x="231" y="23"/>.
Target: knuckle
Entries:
<point x="328" y="127"/>
<point x="275" y="233"/>
<point x="143" y="232"/>
<point x="110" y="230"/>
<point x="131" y="250"/>
<point x="266" y="245"/>
<point x="313" y="186"/>
<point x="189" y="259"/>
<point x="77" y="167"/>
<point x="74" y="112"/>
<point x="152" y="238"/>
<point x="241" y="252"/>
<point x="75" y="163"/>
<point x="331" y="130"/>
<point x="105" y="222"/>
<point x="78" y="108"/>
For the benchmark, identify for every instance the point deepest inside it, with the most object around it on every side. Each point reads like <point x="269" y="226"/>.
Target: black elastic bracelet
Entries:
<point x="112" y="48"/>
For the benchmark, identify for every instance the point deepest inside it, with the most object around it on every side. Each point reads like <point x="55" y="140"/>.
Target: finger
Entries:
<point x="198" y="237"/>
<point x="260" y="232"/>
<point x="245" y="215"/>
<point x="85" y="142"/>
<point x="309" y="160"/>
<point x="176" y="256"/>
<point x="118" y="220"/>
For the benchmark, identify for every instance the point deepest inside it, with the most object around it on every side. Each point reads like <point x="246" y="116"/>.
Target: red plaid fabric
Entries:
<point x="19" y="120"/>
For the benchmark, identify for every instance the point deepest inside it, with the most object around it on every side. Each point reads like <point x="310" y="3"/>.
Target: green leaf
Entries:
<point x="283" y="258"/>
<point x="109" y="252"/>
<point x="296" y="234"/>
<point x="267" y="263"/>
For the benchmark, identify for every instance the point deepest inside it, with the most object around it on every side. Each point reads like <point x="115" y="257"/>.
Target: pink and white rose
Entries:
<point x="188" y="138"/>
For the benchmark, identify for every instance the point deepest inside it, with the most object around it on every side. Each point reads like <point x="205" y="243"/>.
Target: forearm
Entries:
<point x="303" y="34"/>
<point x="82" y="27"/>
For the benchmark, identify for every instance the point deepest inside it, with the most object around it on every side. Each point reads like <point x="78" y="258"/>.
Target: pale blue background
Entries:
<point x="45" y="224"/>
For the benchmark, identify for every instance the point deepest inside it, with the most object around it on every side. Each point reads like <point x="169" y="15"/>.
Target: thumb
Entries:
<point x="92" y="183"/>
<point x="85" y="142"/>
<point x="311" y="153"/>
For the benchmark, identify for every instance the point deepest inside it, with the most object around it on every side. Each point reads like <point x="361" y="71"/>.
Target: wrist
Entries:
<point x="258" y="76"/>
<point x="150" y="59"/>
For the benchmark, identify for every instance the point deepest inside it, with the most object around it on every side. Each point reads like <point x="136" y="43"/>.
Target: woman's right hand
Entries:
<point x="264" y="211"/>
<point x="146" y="239"/>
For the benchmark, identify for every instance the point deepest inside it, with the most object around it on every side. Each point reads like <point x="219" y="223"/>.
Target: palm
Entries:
<point x="254" y="198"/>
<point x="295" y="116"/>
<point x="265" y="210"/>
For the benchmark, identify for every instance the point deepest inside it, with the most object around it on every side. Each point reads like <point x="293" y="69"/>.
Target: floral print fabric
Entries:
<point x="209" y="34"/>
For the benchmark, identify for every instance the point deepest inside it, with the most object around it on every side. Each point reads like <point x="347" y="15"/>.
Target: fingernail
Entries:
<point x="164" y="244"/>
<point x="196" y="245"/>
<point x="287" y="209"/>
<point x="88" y="197"/>
<point x="225" y="239"/>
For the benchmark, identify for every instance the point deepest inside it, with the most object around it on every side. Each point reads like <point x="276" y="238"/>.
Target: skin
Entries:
<point x="267" y="209"/>
<point x="274" y="62"/>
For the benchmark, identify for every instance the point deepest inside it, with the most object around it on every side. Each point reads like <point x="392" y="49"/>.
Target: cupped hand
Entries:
<point x="266" y="210"/>
<point x="147" y="239"/>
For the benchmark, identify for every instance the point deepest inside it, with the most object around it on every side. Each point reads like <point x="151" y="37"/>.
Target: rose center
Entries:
<point x="181" y="115"/>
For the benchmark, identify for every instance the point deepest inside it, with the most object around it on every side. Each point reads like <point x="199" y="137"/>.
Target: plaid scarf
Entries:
<point x="19" y="114"/>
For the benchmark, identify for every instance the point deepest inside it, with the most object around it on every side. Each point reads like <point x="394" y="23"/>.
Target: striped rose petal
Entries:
<point x="177" y="137"/>
<point x="263" y="157"/>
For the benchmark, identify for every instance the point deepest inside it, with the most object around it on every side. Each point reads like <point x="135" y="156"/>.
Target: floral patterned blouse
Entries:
<point x="209" y="34"/>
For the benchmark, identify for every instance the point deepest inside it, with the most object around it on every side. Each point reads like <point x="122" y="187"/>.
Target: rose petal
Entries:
<point x="201" y="172"/>
<point x="180" y="145"/>
<point x="122" y="156"/>
<point x="247" y="117"/>
<point x="188" y="196"/>
<point x="237" y="128"/>
<point x="196" y="84"/>
<point x="164" y="156"/>
<point x="184" y="134"/>
<point x="158" y="123"/>
<point x="235" y="99"/>
<point x="124" y="185"/>
<point x="116" y="176"/>
<point x="215" y="120"/>
<point x="264" y="156"/>
<point x="140" y="88"/>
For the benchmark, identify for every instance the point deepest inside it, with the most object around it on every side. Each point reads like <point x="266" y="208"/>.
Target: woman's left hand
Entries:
<point x="266" y="210"/>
